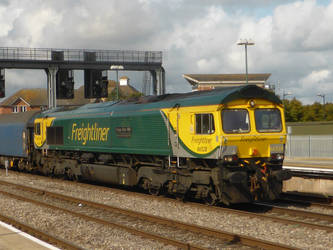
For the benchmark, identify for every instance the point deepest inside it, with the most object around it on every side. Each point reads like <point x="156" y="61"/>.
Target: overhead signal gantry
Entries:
<point x="60" y="63"/>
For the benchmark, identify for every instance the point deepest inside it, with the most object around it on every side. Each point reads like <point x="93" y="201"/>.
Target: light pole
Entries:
<point x="246" y="43"/>
<point x="284" y="94"/>
<point x="117" y="67"/>
<point x="322" y="96"/>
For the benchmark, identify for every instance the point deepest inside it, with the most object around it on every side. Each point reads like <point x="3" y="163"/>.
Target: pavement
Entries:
<point x="12" y="238"/>
<point x="325" y="163"/>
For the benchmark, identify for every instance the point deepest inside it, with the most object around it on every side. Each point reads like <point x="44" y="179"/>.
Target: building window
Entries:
<point x="204" y="124"/>
<point x="23" y="108"/>
<point x="15" y="109"/>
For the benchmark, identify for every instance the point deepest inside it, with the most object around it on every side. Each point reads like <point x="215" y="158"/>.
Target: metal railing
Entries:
<point x="311" y="146"/>
<point x="80" y="55"/>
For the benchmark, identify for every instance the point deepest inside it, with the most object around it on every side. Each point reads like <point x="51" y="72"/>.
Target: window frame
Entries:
<point x="23" y="108"/>
<point x="238" y="131"/>
<point x="268" y="130"/>
<point x="37" y="128"/>
<point x="211" y="124"/>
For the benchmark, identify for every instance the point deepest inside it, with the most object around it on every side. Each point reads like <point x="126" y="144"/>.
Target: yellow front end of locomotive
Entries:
<point x="255" y="127"/>
<point x="265" y="133"/>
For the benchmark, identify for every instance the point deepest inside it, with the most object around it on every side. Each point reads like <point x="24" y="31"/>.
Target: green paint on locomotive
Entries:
<point x="131" y="133"/>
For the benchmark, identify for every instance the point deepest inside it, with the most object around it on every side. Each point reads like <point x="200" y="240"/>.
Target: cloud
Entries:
<point x="293" y="39"/>
<point x="319" y="81"/>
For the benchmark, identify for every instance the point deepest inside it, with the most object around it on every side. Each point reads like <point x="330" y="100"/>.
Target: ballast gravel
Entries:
<point x="84" y="234"/>
<point x="291" y="235"/>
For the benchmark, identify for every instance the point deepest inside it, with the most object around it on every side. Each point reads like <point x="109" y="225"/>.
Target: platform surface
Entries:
<point x="309" y="162"/>
<point x="12" y="238"/>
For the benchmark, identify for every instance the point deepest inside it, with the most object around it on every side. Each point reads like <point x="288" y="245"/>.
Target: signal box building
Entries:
<point x="211" y="81"/>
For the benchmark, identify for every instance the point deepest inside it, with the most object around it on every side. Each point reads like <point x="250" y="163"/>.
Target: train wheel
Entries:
<point x="154" y="191"/>
<point x="210" y="199"/>
<point x="146" y="184"/>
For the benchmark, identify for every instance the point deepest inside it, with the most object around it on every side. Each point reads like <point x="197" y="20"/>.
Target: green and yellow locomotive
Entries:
<point x="225" y="145"/>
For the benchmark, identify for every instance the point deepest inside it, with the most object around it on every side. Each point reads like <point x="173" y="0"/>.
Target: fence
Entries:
<point x="314" y="146"/>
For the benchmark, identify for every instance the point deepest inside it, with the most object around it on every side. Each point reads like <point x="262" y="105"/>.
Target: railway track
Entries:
<point x="100" y="213"/>
<point x="297" y="216"/>
<point x="282" y="215"/>
<point x="61" y="243"/>
<point x="308" y="201"/>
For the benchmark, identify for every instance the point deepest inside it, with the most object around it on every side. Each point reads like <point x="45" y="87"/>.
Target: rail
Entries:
<point x="39" y="234"/>
<point x="225" y="236"/>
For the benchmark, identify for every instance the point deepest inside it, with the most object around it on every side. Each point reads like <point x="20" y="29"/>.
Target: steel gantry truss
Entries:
<point x="52" y="60"/>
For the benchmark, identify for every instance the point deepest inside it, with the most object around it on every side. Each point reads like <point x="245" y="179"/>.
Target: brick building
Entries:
<point x="36" y="99"/>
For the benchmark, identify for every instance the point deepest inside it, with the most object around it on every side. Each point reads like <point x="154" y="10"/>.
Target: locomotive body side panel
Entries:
<point x="117" y="132"/>
<point x="187" y="138"/>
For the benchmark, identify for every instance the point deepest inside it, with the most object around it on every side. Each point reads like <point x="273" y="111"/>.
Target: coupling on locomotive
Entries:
<point x="222" y="146"/>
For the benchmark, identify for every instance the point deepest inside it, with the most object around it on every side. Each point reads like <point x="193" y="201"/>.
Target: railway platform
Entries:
<point x="325" y="163"/>
<point x="310" y="176"/>
<point x="12" y="238"/>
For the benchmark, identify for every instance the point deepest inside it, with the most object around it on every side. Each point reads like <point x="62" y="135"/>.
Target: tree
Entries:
<point x="293" y="110"/>
<point x="314" y="112"/>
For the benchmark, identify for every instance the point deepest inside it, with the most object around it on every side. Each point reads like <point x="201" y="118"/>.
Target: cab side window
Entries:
<point x="204" y="124"/>
<point x="37" y="128"/>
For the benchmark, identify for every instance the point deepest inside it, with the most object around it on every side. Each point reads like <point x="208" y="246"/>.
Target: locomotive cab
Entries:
<point x="256" y="128"/>
<point x="240" y="141"/>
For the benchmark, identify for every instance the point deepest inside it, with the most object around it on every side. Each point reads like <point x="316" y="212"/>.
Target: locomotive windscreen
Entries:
<point x="235" y="121"/>
<point x="268" y="120"/>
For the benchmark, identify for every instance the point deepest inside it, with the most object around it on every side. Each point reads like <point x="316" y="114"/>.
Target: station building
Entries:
<point x="201" y="82"/>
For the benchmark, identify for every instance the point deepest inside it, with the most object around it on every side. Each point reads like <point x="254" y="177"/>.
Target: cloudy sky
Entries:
<point x="293" y="39"/>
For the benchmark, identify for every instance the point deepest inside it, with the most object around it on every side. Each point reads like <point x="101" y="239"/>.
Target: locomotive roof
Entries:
<point x="198" y="98"/>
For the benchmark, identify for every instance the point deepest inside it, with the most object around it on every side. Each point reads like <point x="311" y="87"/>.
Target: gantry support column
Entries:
<point x="51" y="87"/>
<point x="154" y="81"/>
<point x="161" y="81"/>
<point x="158" y="77"/>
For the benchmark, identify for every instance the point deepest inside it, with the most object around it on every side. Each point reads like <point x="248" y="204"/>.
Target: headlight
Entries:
<point x="277" y="157"/>
<point x="230" y="158"/>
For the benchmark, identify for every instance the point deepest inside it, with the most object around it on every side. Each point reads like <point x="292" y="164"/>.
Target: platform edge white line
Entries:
<point x="28" y="236"/>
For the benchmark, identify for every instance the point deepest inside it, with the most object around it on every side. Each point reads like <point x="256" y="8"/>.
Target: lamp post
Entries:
<point x="117" y="67"/>
<point x="322" y="96"/>
<point x="246" y="43"/>
<point x="284" y="94"/>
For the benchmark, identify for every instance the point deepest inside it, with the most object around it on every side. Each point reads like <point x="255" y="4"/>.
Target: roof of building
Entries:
<point x="125" y="90"/>
<point x="225" y="79"/>
<point x="38" y="96"/>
